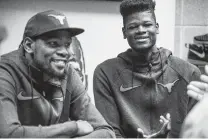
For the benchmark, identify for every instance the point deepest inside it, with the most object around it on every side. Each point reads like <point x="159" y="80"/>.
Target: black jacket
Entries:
<point x="132" y="93"/>
<point x="32" y="107"/>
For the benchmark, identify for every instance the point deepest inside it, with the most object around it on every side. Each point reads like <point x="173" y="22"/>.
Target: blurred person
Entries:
<point x="142" y="92"/>
<point x="197" y="89"/>
<point x="40" y="96"/>
<point x="195" y="124"/>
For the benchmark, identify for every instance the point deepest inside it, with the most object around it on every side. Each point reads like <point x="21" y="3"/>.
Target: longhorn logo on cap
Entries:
<point x="60" y="18"/>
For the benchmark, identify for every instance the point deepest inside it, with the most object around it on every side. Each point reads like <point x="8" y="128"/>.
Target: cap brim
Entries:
<point x="75" y="31"/>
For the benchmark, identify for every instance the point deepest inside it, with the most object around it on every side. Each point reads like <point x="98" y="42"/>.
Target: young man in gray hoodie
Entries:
<point x="195" y="124"/>
<point x="142" y="92"/>
<point x="40" y="95"/>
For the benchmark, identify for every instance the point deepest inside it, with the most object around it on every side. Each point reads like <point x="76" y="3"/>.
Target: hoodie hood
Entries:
<point x="32" y="86"/>
<point x="28" y="69"/>
<point x="18" y="59"/>
<point x="138" y="63"/>
<point x="34" y="75"/>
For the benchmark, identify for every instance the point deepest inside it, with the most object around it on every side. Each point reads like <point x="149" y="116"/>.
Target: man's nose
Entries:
<point x="64" y="52"/>
<point x="141" y="29"/>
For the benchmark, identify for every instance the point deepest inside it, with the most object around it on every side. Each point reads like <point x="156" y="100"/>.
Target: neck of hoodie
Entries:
<point x="153" y="61"/>
<point x="145" y="56"/>
<point x="146" y="61"/>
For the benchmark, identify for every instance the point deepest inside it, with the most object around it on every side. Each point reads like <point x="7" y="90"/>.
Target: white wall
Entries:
<point x="101" y="20"/>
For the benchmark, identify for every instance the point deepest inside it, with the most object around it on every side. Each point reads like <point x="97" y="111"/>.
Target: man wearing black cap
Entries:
<point x="40" y="96"/>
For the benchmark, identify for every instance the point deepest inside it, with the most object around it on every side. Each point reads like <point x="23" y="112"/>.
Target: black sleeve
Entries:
<point x="83" y="109"/>
<point x="10" y="125"/>
<point x="105" y="102"/>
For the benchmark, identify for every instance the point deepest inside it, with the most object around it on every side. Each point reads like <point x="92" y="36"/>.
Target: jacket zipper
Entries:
<point x="151" y="95"/>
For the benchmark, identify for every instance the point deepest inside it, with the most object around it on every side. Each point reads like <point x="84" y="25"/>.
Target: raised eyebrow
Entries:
<point x="148" y="22"/>
<point x="52" y="39"/>
<point x="131" y="24"/>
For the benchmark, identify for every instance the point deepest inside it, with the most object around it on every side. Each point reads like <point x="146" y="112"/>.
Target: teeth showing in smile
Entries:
<point x="141" y="39"/>
<point x="60" y="62"/>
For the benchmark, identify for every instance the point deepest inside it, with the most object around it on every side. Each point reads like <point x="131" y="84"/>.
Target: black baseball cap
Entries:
<point x="48" y="21"/>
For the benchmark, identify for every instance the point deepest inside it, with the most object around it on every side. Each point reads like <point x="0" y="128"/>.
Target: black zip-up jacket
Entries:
<point x="34" y="108"/>
<point x="132" y="93"/>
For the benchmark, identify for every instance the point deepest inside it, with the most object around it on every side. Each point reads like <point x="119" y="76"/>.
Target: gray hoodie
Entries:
<point x="133" y="93"/>
<point x="33" y="108"/>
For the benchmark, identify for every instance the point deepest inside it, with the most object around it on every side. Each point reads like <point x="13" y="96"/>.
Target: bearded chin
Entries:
<point x="55" y="74"/>
<point x="50" y="70"/>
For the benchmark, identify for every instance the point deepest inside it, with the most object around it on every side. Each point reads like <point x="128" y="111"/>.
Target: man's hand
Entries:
<point x="166" y="122"/>
<point x="166" y="126"/>
<point x="84" y="128"/>
<point x="197" y="89"/>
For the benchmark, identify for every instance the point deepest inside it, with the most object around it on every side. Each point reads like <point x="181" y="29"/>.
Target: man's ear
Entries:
<point x="124" y="32"/>
<point x="157" y="28"/>
<point x="28" y="45"/>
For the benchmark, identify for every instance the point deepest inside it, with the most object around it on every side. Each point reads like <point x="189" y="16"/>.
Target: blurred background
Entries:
<point x="179" y="20"/>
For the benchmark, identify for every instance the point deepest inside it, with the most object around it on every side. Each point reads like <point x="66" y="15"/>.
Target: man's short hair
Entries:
<point x="128" y="7"/>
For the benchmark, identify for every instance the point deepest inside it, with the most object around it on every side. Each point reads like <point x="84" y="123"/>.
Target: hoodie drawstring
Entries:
<point x="132" y="74"/>
<point x="31" y="84"/>
<point x="161" y="65"/>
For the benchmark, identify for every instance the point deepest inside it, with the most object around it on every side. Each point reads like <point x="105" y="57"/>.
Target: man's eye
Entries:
<point x="67" y="44"/>
<point x="53" y="44"/>
<point x="132" y="27"/>
<point x="148" y="24"/>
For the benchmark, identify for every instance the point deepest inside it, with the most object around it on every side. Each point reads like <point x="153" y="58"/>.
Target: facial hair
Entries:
<point x="49" y="70"/>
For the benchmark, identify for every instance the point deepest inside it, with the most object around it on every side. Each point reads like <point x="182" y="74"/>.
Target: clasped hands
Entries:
<point x="166" y="126"/>
<point x="84" y="128"/>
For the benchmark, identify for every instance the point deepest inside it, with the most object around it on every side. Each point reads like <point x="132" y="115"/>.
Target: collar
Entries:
<point x="140" y="64"/>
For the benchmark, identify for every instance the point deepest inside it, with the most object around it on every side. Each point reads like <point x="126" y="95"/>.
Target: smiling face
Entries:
<point x="140" y="29"/>
<point x="51" y="52"/>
